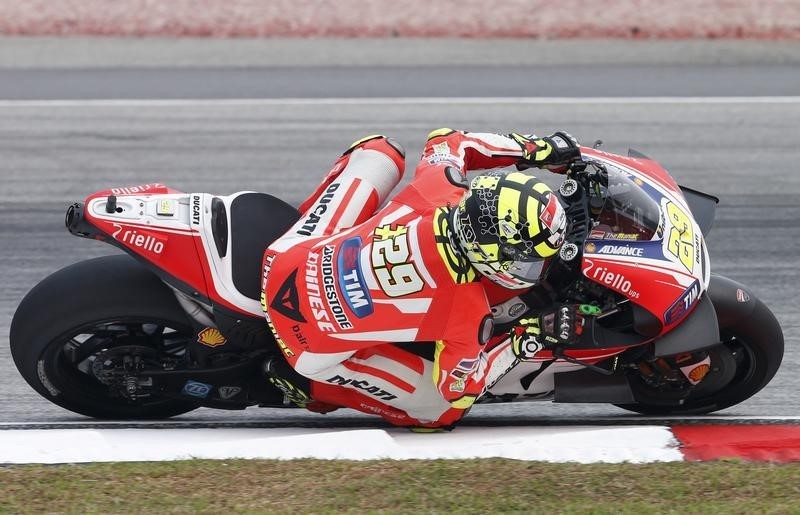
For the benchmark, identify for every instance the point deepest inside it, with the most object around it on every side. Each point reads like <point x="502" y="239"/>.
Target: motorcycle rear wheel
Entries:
<point x="751" y="353"/>
<point x="80" y="312"/>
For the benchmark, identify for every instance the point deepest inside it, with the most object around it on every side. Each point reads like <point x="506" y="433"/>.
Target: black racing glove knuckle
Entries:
<point x="565" y="148"/>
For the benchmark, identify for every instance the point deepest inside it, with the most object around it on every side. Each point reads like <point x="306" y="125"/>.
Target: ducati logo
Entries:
<point x="211" y="337"/>
<point x="286" y="301"/>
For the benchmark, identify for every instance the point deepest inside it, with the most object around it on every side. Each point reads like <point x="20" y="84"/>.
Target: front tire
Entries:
<point x="748" y="358"/>
<point x="112" y="302"/>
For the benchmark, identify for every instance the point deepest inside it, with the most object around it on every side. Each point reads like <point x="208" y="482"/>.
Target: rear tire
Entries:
<point x="752" y="344"/>
<point x="83" y="299"/>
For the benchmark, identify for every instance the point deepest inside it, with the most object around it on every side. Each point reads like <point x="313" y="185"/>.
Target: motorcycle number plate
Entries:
<point x="166" y="207"/>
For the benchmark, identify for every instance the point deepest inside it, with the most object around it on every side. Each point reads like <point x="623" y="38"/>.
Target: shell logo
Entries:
<point x="211" y="337"/>
<point x="698" y="373"/>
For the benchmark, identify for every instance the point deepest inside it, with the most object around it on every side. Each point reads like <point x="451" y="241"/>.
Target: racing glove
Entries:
<point x="553" y="152"/>
<point x="557" y="327"/>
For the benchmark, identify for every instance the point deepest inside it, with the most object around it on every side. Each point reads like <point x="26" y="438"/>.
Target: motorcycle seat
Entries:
<point x="256" y="220"/>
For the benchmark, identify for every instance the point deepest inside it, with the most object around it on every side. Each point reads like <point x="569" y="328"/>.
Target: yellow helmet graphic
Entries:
<point x="507" y="225"/>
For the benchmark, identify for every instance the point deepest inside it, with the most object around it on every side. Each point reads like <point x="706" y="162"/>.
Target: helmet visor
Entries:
<point x="529" y="271"/>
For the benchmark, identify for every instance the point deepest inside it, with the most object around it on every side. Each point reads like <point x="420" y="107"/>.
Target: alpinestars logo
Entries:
<point x="287" y="302"/>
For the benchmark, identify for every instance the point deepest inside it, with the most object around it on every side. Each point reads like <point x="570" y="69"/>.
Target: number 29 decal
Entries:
<point x="390" y="257"/>
<point x="680" y="241"/>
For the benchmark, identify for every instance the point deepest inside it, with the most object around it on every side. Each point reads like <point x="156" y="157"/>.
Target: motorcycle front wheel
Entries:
<point x="747" y="359"/>
<point x="89" y="317"/>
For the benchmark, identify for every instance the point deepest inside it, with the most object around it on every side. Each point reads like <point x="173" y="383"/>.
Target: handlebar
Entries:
<point x="579" y="171"/>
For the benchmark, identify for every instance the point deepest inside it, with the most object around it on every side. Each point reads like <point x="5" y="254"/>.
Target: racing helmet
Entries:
<point x="507" y="225"/>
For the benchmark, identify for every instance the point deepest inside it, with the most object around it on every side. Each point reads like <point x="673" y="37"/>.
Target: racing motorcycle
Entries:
<point x="176" y="322"/>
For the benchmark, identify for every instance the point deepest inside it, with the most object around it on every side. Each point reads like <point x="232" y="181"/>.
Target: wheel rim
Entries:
<point x="70" y="359"/>
<point x="707" y="396"/>
<point x="745" y="360"/>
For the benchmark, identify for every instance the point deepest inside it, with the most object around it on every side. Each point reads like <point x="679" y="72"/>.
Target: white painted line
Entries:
<point x="255" y="102"/>
<point x="577" y="420"/>
<point x="640" y="444"/>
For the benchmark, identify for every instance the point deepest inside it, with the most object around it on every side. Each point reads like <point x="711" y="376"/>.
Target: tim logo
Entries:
<point x="351" y="282"/>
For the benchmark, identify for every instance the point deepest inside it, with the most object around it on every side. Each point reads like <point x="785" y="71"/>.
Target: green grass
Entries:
<point x="444" y="486"/>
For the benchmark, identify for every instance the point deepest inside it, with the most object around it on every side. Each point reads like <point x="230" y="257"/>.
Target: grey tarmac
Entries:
<point x="745" y="152"/>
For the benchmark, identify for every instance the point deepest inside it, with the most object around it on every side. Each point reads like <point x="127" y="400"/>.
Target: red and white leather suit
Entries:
<point x="345" y="281"/>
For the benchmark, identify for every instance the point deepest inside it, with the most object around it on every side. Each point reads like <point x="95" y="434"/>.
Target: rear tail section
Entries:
<point x="207" y="247"/>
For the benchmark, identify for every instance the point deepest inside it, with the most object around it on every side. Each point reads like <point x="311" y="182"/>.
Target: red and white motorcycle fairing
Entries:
<point x="665" y="274"/>
<point x="173" y="230"/>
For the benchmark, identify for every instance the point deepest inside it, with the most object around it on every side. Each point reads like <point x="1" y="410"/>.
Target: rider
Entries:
<point x="345" y="284"/>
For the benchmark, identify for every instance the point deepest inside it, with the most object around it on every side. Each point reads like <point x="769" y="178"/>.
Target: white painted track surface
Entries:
<point x="582" y="444"/>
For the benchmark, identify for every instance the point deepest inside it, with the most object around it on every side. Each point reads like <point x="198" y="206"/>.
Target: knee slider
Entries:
<point x="363" y="142"/>
<point x="378" y="142"/>
<point x="444" y="131"/>
<point x="388" y="147"/>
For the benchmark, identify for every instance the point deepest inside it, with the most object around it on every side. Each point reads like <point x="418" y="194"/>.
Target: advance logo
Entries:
<point x="351" y="282"/>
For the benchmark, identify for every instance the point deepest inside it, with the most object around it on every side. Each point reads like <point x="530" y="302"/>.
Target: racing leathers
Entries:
<point x="346" y="284"/>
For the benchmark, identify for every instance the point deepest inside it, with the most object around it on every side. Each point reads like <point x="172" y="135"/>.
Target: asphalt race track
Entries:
<point x="742" y="149"/>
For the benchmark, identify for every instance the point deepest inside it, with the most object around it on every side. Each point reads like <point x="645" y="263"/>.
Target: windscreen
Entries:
<point x="626" y="212"/>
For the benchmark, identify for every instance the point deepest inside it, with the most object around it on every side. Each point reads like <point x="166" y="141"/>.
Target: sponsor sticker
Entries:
<point x="441" y="148"/>
<point x="351" y="280"/>
<point x="698" y="373"/>
<point x="548" y="215"/>
<point x="742" y="296"/>
<point x="613" y="280"/>
<point x="268" y="259"/>
<point x="329" y="286"/>
<point x="132" y="190"/>
<point x="196" y="209"/>
<point x="517" y="309"/>
<point x="392" y="263"/>
<point x="443" y="158"/>
<point x="45" y="380"/>
<point x="468" y="365"/>
<point x="165" y="207"/>
<point x="314" y="215"/>
<point x="682" y="305"/>
<point x="211" y="337"/>
<point x="680" y="241"/>
<point x="458" y="386"/>
<point x="314" y="295"/>
<point x="621" y="236"/>
<point x="364" y="386"/>
<point x="298" y="335"/>
<point x="287" y="301"/>
<point x="196" y="389"/>
<point x="621" y="250"/>
<point x="228" y="392"/>
<point x="151" y="243"/>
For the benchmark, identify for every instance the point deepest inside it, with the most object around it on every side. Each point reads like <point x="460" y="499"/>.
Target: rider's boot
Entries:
<point x="295" y="388"/>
